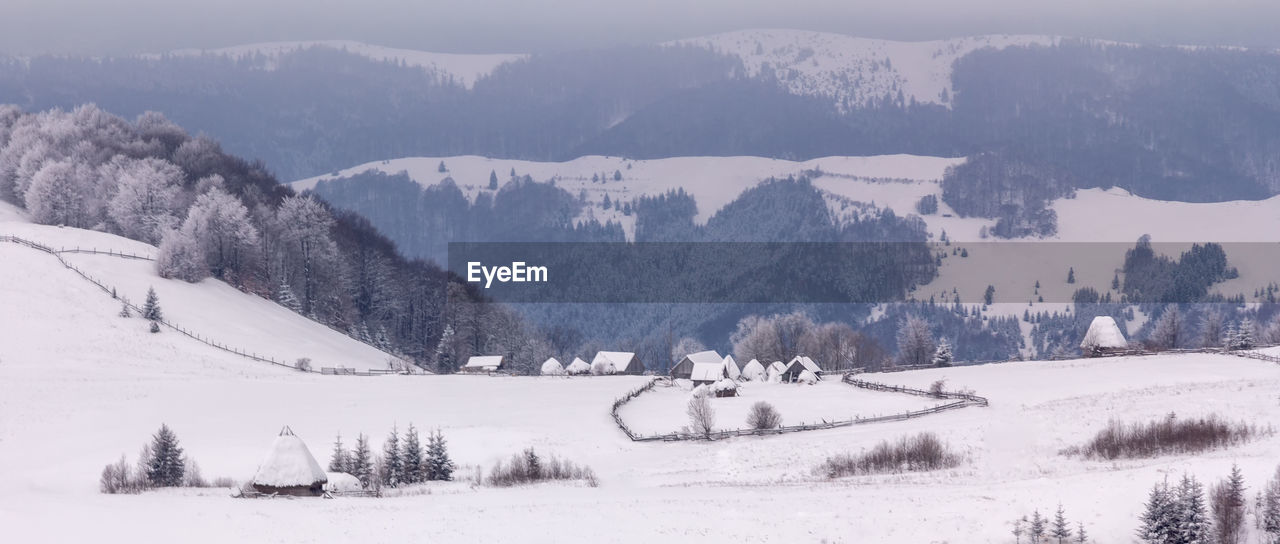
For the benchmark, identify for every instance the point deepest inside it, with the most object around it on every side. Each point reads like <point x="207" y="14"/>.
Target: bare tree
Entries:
<point x="1227" y="502"/>
<point x="763" y="416"/>
<point x="915" y="342"/>
<point x="702" y="417"/>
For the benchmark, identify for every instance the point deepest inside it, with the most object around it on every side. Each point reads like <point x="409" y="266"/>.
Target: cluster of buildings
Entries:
<point x="703" y="367"/>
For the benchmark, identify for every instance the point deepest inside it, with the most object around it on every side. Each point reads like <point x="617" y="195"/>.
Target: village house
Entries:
<point x="683" y="370"/>
<point x="483" y="363"/>
<point x="617" y="362"/>
<point x="798" y="365"/>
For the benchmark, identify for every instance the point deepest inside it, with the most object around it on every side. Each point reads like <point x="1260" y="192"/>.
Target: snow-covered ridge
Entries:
<point x="893" y="181"/>
<point x="853" y="70"/>
<point x="466" y="69"/>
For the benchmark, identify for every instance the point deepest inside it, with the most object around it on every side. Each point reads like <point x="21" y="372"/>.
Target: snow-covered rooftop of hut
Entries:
<point x="707" y="372"/>
<point x="709" y="356"/>
<point x="289" y="463"/>
<point x="1103" y="333"/>
<point x="807" y="363"/>
<point x="484" y="361"/>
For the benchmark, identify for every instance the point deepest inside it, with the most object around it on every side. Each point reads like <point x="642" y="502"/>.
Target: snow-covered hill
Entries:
<point x="893" y="181"/>
<point x="854" y="70"/>
<point x="210" y="308"/>
<point x="463" y="68"/>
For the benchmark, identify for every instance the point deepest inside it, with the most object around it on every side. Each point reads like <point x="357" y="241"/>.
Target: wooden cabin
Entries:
<point x="684" y="369"/>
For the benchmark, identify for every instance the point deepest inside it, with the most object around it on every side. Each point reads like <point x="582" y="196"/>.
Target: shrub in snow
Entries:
<point x="763" y="416"/>
<point x="917" y="453"/>
<point x="702" y="417"/>
<point x="1169" y="435"/>
<point x="118" y="478"/>
<point x="528" y="467"/>
<point x="155" y="327"/>
<point x="124" y="310"/>
<point x="935" y="388"/>
<point x="303" y="364"/>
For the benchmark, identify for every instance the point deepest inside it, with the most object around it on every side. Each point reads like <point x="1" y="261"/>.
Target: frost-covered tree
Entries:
<point x="220" y="228"/>
<point x="166" y="465"/>
<point x="392" y="465"/>
<point x="1159" y="522"/>
<point x="915" y="341"/>
<point x="702" y="417"/>
<point x="1243" y="336"/>
<point x="339" y="461"/>
<point x="361" y="462"/>
<point x="1061" y="530"/>
<point x="56" y="195"/>
<point x="302" y="225"/>
<point x="1228" y="506"/>
<point x="1212" y="328"/>
<point x="493" y="180"/>
<point x="151" y="307"/>
<point x="438" y="466"/>
<point x="1193" y="520"/>
<point x="1036" y="532"/>
<point x="1270" y="510"/>
<point x="180" y="257"/>
<point x="143" y="205"/>
<point x="1167" y="333"/>
<point x="942" y="355"/>
<point x="685" y="346"/>
<point x="411" y="458"/>
<point x="778" y="337"/>
<point x="446" y="353"/>
<point x="285" y="297"/>
<point x="124" y="310"/>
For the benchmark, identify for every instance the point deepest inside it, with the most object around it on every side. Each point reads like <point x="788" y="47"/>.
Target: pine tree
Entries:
<point x="393" y="468"/>
<point x="617" y="175"/>
<point x="125" y="311"/>
<point x="361" y="464"/>
<point x="1270" y="510"/>
<point x="438" y="466"/>
<point x="1061" y="530"/>
<point x="155" y="327"/>
<point x="1081" y="536"/>
<point x="286" y="298"/>
<point x="441" y="168"/>
<point x="1159" y="520"/>
<point x="1018" y="529"/>
<point x="166" y="465"/>
<point x="1228" y="506"/>
<point x="532" y="465"/>
<point x="444" y="351"/>
<point x="942" y="356"/>
<point x="340" y="460"/>
<point x="607" y="203"/>
<point x="151" y="308"/>
<point x="989" y="296"/>
<point x="493" y="180"/>
<point x="1036" y="532"/>
<point x="1071" y="275"/>
<point x="412" y="457"/>
<point x="1115" y="282"/>
<point x="513" y="172"/>
<point x="1193" y="523"/>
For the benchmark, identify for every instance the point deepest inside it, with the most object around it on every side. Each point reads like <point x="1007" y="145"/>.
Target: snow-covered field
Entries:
<point x="80" y="386"/>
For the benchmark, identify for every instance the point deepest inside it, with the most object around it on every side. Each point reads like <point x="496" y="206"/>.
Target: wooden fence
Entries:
<point x="959" y="400"/>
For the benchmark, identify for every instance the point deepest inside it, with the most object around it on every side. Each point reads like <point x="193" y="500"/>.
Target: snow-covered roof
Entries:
<point x="806" y="363"/>
<point x="731" y="367"/>
<point x="618" y="359"/>
<point x="709" y="356"/>
<point x="778" y="366"/>
<point x="552" y="367"/>
<point x="1103" y="333"/>
<point x="342" y="482"/>
<point x="578" y="366"/>
<point x="807" y="377"/>
<point x="289" y="463"/>
<point x="754" y="370"/>
<point x="708" y="372"/>
<point x="484" y="361"/>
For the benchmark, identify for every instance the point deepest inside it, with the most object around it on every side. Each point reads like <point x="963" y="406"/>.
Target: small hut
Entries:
<point x="707" y="373"/>
<point x="1102" y="337"/>
<point x="289" y="469"/>
<point x="552" y="368"/>
<point x="578" y="367"/>
<point x="799" y="365"/>
<point x="684" y="369"/>
<point x="754" y="371"/>
<point x="725" y="388"/>
<point x="483" y="363"/>
<point x="616" y="362"/>
<point x="731" y="368"/>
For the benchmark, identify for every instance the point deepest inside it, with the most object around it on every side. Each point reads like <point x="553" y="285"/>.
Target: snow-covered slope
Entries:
<point x="210" y="308"/>
<point x="463" y="68"/>
<point x="854" y="70"/>
<point x="894" y="181"/>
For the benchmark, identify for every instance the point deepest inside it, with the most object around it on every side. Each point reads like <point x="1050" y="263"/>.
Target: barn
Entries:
<point x="617" y="362"/>
<point x="483" y="363"/>
<point x="289" y="469"/>
<point x="1103" y="336"/>
<point x="798" y="365"/>
<point x="684" y="369"/>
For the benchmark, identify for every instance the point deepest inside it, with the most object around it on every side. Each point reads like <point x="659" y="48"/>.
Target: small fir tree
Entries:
<point x="393" y="468"/>
<point x="439" y="466"/>
<point x="151" y="308"/>
<point x="411" y="458"/>
<point x="361" y="462"/>
<point x="125" y="311"/>
<point x="166" y="465"/>
<point x="1061" y="529"/>
<point x="340" y="460"/>
<point x="493" y="180"/>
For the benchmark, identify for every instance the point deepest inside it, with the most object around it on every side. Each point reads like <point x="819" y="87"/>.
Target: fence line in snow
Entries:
<point x="959" y="400"/>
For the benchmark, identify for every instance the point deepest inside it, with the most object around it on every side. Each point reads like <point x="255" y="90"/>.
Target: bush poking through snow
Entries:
<point x="1169" y="435"/>
<point x="303" y="364"/>
<point x="155" y="327"/>
<point x="702" y="417"/>
<point x="763" y="416"/>
<point x="936" y="388"/>
<point x="919" y="453"/>
<point x="528" y="467"/>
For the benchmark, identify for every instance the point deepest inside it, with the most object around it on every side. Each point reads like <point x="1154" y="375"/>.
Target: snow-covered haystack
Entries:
<point x="603" y="367"/>
<point x="341" y="482"/>
<point x="552" y="368"/>
<point x="725" y="388"/>
<point x="578" y="367"/>
<point x="754" y="371"/>
<point x="700" y="391"/>
<point x="731" y="368"/>
<point x="1103" y="334"/>
<point x="807" y="377"/>
<point x="289" y="468"/>
<point x="776" y="370"/>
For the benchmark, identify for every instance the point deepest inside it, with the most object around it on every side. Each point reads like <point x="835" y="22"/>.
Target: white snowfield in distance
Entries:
<point x="79" y="387"/>
<point x="209" y="308"/>
<point x="895" y="181"/>
<point x="853" y="70"/>
<point x="465" y="69"/>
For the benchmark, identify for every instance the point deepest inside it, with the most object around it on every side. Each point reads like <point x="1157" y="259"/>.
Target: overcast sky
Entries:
<point x="101" y="27"/>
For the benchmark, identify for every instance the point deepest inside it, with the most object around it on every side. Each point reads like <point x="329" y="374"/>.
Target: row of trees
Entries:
<point x="404" y="459"/>
<point x="1181" y="514"/>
